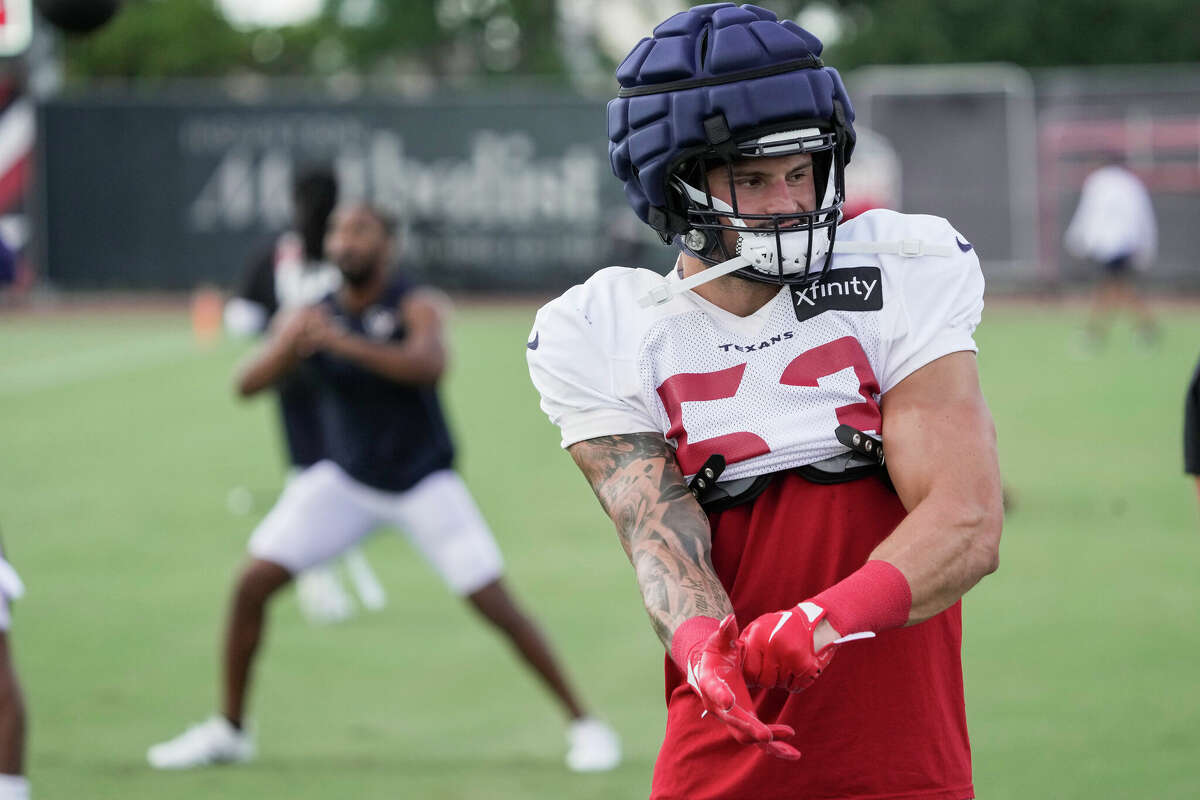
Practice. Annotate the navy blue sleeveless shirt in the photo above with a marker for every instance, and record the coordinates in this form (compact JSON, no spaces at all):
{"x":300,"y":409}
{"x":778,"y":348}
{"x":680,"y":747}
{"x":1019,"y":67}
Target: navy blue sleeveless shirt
{"x":385,"y":434}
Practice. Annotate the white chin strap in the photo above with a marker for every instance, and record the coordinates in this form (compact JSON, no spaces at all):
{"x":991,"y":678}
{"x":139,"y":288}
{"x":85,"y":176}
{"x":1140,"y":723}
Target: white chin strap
{"x":761,"y":250}
{"x":906,"y":248}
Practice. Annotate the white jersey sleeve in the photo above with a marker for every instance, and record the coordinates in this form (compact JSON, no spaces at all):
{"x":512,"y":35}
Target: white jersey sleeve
{"x":11,"y":588}
{"x":935,"y":302}
{"x":588,"y":383}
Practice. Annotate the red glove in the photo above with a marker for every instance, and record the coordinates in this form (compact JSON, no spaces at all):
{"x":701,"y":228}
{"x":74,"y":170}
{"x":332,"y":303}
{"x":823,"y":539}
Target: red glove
{"x":714,"y":670}
{"x":779,"y":649}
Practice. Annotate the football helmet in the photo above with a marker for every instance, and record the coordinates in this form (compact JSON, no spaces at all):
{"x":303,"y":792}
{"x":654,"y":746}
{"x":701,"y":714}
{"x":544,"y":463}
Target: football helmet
{"x":716,"y":84}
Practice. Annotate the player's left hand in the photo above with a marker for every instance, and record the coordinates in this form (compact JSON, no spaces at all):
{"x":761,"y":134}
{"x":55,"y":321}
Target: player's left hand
{"x":780,"y":649}
{"x":714,"y":670}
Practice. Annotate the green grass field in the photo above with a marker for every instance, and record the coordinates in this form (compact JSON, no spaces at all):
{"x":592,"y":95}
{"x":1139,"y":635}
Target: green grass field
{"x":120,"y":442}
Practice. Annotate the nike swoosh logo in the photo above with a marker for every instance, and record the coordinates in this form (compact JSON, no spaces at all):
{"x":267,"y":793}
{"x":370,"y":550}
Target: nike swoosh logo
{"x":782,"y":621}
{"x":964,"y":246}
{"x":533,"y":344}
{"x":811,"y":610}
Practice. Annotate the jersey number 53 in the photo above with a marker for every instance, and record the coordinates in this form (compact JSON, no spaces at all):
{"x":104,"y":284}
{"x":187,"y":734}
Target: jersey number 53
{"x":805,"y":370}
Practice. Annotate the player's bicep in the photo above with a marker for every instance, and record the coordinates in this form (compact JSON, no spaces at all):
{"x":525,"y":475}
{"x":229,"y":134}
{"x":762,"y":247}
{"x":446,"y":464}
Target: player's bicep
{"x":938,"y":433}
{"x":424,"y":313}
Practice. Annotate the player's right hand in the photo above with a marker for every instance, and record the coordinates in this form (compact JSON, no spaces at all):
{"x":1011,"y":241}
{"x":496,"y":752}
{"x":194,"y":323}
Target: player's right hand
{"x":714,"y":670}
{"x":780,"y":652}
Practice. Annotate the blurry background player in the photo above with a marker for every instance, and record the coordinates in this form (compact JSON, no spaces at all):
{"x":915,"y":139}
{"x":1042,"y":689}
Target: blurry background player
{"x":376,"y":347}
{"x":8,"y":267}
{"x":13,"y":784}
{"x":1191,"y":429}
{"x":1114,"y":229}
{"x":292,"y":273}
{"x":77,"y":16}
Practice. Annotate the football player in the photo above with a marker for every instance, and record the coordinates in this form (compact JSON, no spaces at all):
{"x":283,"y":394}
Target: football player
{"x":733,"y":415}
{"x":291,"y":274}
{"x":13,"y":783}
{"x":1191,"y":429}
{"x":1114,"y":229}
{"x":377,"y":348}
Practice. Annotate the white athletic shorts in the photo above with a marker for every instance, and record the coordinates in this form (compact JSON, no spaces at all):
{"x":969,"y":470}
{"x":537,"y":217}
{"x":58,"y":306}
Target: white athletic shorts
{"x":10,"y":589}
{"x":323,"y":512}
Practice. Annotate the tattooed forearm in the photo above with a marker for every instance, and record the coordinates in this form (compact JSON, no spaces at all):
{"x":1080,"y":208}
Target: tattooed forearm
{"x":661,"y":527}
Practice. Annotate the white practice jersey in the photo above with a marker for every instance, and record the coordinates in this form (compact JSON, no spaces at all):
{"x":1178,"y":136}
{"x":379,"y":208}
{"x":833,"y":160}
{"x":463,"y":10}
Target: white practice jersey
{"x":299,"y":282}
{"x":11,"y":588}
{"x":765,"y":391}
{"x":1114,"y":219}
{"x":280,"y":280}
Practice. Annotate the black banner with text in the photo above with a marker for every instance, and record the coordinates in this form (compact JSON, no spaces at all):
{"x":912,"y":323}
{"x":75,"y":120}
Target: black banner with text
{"x":161,"y":194}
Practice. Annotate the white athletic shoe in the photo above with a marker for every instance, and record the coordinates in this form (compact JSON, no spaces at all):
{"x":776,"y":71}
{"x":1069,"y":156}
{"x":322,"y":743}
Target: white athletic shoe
{"x":592,"y":746}
{"x":14,"y":787}
{"x":214,"y":741}
{"x":362,"y":577}
{"x":323,"y":600}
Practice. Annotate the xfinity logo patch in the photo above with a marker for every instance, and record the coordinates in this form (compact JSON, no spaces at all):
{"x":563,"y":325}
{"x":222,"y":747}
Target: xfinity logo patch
{"x":851,"y":289}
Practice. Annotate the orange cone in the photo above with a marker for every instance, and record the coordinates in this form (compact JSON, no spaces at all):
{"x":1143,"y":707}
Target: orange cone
{"x":207,"y":308}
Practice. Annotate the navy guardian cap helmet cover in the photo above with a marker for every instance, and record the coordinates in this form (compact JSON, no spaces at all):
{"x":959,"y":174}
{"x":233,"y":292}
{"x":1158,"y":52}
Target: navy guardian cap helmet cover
{"x":715,"y":84}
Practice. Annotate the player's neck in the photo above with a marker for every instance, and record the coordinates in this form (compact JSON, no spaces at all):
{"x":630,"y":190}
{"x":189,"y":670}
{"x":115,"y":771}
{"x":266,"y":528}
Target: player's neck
{"x":356,"y":298}
{"x":729,"y":292}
